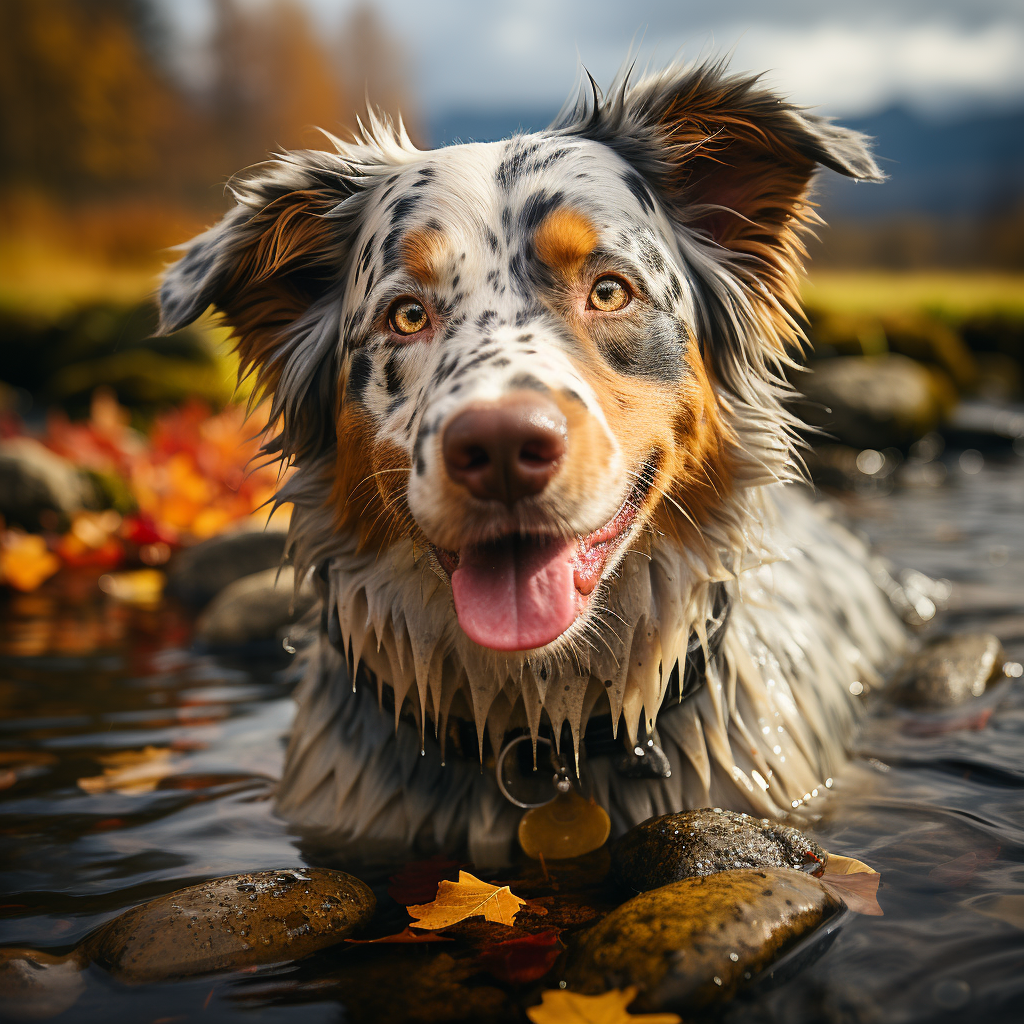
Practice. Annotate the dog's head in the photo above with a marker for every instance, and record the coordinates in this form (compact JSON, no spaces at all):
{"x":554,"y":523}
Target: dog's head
{"x":526,"y":354}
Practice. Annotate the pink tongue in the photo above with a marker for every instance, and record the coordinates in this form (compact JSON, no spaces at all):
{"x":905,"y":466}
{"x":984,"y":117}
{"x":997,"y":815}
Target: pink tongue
{"x":515,"y":595}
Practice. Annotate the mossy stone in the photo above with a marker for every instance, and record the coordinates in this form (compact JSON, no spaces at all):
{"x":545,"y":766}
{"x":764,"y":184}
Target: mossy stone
{"x":234,"y":922}
{"x":696,"y":942}
{"x":704,"y":842}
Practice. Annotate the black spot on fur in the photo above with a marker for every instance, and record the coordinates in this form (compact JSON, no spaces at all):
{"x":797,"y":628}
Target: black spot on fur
{"x":537,"y":207}
{"x":486,"y":317}
{"x":640,"y":191}
{"x":656,"y":355}
{"x":392,"y":378}
{"x":527,"y":382}
{"x":492,"y":239}
{"x":359,"y":373}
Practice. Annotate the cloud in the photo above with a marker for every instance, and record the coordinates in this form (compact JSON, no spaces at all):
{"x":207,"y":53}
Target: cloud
{"x":844,"y":58}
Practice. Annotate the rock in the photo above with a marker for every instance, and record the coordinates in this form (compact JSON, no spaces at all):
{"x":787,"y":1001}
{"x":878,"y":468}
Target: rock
{"x":254,"y":608}
{"x":695,"y":942}
{"x":877,"y":402}
{"x":234,"y":922}
{"x":199,"y":573}
{"x":947,"y":672}
{"x":36,"y":985}
{"x":696,"y":843}
{"x":35,"y":481}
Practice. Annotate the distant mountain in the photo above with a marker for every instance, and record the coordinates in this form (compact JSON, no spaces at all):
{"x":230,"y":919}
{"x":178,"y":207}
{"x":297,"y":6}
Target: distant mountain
{"x":968,"y":167}
{"x":971,"y":166}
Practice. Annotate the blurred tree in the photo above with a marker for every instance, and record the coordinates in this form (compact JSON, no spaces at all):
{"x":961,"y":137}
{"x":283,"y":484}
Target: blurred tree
{"x":374,"y":64}
{"x":83,"y":104}
{"x":273,"y":81}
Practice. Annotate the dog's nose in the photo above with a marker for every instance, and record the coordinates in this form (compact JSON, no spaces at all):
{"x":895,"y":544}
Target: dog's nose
{"x":508,"y":449}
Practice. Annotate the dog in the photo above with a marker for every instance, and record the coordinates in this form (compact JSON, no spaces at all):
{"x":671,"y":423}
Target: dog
{"x":545,"y":479}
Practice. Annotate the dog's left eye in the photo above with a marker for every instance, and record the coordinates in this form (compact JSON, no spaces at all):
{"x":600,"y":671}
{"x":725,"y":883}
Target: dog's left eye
{"x":407,"y":316}
{"x":609,"y":294}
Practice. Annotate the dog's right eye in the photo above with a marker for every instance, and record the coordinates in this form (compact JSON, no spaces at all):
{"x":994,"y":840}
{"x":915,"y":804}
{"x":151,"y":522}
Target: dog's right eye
{"x":407,"y":316}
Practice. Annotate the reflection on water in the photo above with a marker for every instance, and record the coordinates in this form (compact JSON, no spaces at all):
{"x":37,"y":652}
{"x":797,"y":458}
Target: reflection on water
{"x":933,"y":803}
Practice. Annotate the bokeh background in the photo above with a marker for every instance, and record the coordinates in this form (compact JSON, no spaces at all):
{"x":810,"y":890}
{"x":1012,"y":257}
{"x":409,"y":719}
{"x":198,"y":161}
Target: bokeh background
{"x":121,"y":121}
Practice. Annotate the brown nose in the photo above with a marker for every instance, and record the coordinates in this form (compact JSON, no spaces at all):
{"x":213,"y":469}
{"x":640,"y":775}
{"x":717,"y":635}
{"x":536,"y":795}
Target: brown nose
{"x":506,"y":450}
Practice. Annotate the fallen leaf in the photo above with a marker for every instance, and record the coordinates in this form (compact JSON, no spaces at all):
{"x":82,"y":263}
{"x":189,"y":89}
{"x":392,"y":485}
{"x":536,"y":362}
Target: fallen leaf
{"x":847,"y":866}
{"x":130,"y":771}
{"x":520,"y":961}
{"x":406,"y":935}
{"x":974,"y":722}
{"x":417,"y":882}
{"x":562,"y":1007}
{"x":468,"y":897}
{"x":960,"y":870}
{"x":25,"y":561}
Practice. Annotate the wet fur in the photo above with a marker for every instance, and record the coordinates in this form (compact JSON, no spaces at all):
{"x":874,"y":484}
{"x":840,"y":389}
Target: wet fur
{"x":691,"y":184}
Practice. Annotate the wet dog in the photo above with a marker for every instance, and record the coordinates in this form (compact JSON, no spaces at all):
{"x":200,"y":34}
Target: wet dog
{"x":533,"y":394}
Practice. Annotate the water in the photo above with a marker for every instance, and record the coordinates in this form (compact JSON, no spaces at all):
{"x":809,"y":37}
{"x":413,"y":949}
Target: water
{"x":934,"y":804}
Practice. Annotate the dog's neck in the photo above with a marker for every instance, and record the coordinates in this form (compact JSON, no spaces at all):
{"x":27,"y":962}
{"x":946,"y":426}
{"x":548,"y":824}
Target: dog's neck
{"x":391,"y":615}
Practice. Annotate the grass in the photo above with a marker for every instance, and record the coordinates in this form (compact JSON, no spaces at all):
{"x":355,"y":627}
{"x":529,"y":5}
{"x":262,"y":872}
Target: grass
{"x":953,"y":295}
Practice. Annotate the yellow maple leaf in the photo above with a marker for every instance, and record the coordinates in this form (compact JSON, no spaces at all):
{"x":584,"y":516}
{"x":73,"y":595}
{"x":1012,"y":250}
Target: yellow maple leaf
{"x":468,"y":897}
{"x":130,"y":772}
{"x":562,"y":1007}
{"x":847,"y":866}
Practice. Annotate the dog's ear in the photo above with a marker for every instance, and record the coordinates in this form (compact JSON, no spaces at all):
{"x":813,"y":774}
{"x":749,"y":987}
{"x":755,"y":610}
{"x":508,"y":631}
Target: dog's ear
{"x":730,"y":161}
{"x":281,"y":250}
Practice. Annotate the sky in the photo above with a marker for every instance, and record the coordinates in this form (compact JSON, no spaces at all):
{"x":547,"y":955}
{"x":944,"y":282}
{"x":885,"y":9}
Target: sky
{"x":852,"y":58}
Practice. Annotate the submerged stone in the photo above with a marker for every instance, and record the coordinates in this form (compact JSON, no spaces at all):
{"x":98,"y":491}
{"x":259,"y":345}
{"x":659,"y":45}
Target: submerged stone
{"x":254,"y":608}
{"x":37,"y":985}
{"x":234,"y":922}
{"x":696,"y":942}
{"x":947,"y":672}
{"x":704,"y":842}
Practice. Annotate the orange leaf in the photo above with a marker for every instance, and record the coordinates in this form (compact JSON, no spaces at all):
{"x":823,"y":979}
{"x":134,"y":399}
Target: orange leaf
{"x":854,"y":883}
{"x":468,"y":897}
{"x":25,"y":561}
{"x":130,"y":771}
{"x":559,"y":1006}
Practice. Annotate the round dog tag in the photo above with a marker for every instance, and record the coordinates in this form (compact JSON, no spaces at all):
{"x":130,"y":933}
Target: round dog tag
{"x":568,"y":826}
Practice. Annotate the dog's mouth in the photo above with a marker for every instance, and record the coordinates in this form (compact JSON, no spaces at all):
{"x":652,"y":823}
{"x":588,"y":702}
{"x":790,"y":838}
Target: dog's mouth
{"x":523,"y":591}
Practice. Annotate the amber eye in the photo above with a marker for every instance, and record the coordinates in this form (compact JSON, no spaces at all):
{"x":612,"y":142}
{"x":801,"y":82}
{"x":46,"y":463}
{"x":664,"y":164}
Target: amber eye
{"x":609,"y":294}
{"x":407,"y":316}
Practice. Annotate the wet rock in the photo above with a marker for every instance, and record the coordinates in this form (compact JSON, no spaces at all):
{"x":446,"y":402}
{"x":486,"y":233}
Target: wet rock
{"x":234,"y":922}
{"x":36,"y":483}
{"x":873,"y":402}
{"x":947,"y":672}
{"x":696,"y":942}
{"x":198,"y":574}
{"x":37,"y":986}
{"x":254,"y":608}
{"x":704,"y":842}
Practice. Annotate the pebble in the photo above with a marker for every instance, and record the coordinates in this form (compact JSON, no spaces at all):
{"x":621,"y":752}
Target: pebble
{"x":947,"y":672}
{"x":35,"y":482}
{"x":703,"y":842}
{"x":254,"y":608}
{"x":199,"y":573}
{"x":234,"y":922}
{"x":36,"y":985}
{"x":696,"y":942}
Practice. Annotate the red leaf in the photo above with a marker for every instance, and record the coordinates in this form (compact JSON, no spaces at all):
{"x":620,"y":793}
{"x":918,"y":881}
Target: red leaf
{"x":960,"y":870}
{"x":519,"y":961}
{"x":417,"y":882}
{"x":858,"y":891}
{"x":406,"y":935}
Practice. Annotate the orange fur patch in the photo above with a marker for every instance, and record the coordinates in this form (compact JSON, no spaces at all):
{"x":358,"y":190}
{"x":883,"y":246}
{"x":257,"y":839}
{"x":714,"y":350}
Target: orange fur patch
{"x":424,"y":251}
{"x":564,"y":240}
{"x":368,"y":484}
{"x":274,"y":280}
